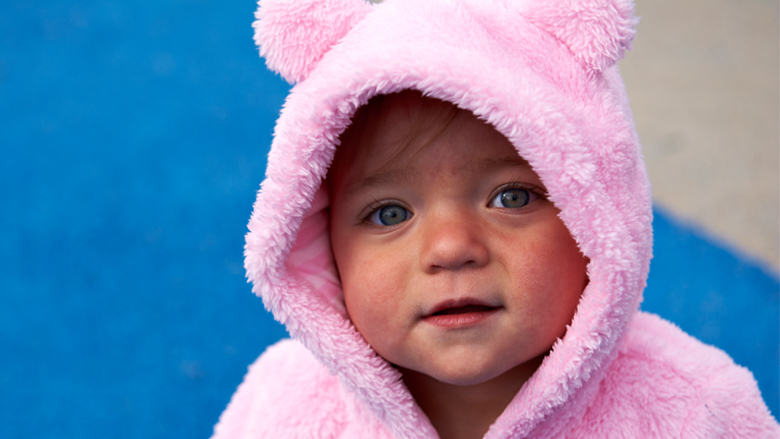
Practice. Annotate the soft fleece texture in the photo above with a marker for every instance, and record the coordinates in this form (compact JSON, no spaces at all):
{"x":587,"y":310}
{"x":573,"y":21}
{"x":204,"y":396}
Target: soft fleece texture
{"x":542,"y":73}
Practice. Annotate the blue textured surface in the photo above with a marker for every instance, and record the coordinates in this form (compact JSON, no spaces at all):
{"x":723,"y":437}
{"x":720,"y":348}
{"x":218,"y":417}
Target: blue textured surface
{"x":133,"y":139}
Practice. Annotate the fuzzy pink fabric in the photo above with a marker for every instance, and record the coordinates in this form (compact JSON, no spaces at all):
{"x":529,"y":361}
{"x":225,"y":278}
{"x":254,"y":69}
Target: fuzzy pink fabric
{"x":663,"y":384}
{"x":542,"y":73}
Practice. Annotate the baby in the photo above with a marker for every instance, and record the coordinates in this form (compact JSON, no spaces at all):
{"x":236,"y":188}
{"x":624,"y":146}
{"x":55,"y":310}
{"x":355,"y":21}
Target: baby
{"x":455,"y":228}
{"x":454,"y":265}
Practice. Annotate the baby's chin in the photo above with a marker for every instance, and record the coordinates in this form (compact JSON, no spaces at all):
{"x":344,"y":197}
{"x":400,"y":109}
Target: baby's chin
{"x":465,"y":375}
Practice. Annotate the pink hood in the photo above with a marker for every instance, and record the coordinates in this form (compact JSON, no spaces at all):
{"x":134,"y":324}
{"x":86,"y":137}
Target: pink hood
{"x":542,"y":73}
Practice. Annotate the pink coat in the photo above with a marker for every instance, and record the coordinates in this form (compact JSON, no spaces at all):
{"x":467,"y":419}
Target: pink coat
{"x":543,"y":74}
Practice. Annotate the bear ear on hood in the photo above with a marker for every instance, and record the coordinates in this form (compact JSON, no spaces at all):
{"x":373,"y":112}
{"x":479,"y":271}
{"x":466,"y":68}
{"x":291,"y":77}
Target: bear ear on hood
{"x":598,"y":32}
{"x":293,"y":35}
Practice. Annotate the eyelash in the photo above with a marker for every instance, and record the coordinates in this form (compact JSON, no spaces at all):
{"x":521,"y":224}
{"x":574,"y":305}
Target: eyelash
{"x":376,"y":205}
{"x":540,"y":193}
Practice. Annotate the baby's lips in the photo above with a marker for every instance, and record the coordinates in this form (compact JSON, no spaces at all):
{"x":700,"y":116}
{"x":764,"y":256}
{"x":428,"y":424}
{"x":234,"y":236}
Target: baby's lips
{"x":467,"y":304}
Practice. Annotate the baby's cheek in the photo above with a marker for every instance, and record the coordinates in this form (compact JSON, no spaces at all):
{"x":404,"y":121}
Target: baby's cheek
{"x":374,"y":293}
{"x":368,"y":297}
{"x":371,"y":319}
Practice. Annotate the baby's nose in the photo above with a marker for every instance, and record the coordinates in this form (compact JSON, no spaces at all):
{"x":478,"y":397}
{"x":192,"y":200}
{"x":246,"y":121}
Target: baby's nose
{"x":453,"y":243}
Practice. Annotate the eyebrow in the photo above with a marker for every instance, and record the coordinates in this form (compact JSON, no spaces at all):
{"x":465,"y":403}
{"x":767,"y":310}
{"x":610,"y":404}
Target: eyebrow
{"x":381,"y":179}
{"x":504,"y":162}
{"x":396,"y":176}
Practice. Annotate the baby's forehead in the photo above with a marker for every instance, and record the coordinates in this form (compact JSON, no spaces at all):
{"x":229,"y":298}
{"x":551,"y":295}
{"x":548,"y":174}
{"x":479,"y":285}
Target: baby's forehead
{"x":399,"y":118}
{"x":404,"y":139}
{"x":400,"y":126}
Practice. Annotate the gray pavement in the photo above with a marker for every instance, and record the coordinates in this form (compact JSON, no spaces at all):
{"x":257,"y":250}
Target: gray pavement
{"x":703,"y":82}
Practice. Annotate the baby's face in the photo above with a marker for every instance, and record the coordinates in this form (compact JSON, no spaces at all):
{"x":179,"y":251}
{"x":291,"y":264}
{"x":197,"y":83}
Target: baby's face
{"x":452,"y":261}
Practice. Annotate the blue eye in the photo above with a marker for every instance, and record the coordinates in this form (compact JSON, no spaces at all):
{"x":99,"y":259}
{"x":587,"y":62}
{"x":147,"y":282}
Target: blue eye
{"x":512,"y":198}
{"x":389,"y":215}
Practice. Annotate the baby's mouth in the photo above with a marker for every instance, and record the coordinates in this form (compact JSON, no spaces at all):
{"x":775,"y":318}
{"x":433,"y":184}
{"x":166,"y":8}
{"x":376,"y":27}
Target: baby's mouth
{"x":465,"y":309}
{"x":460,"y":313}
